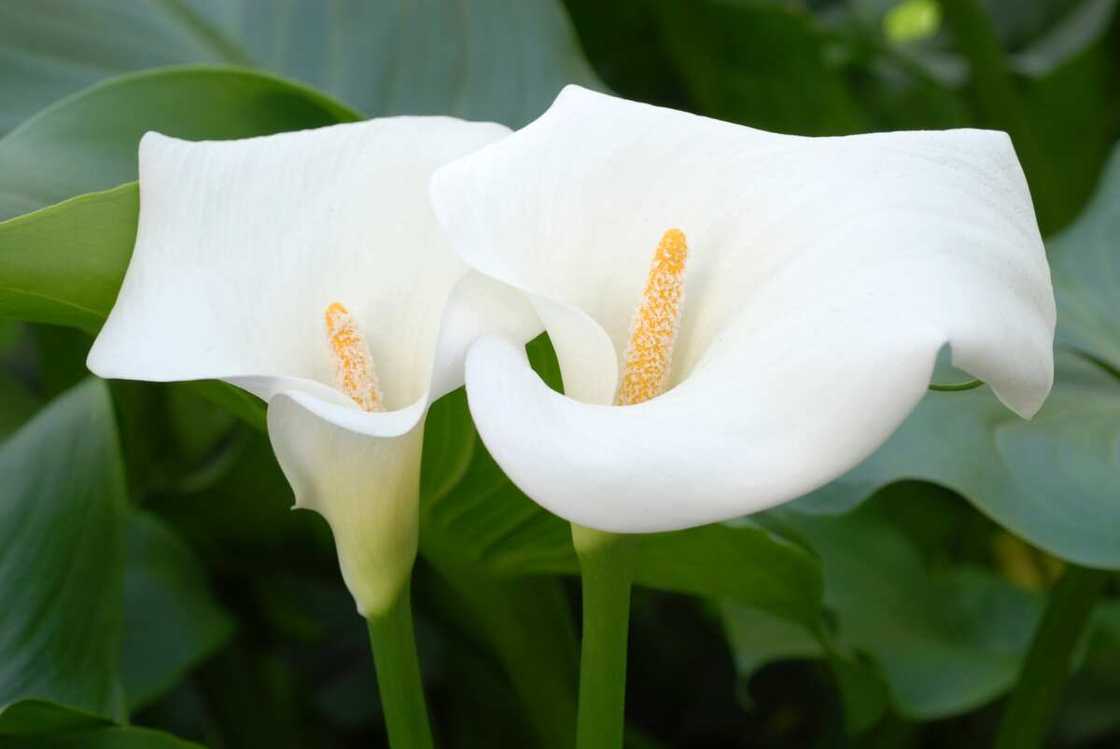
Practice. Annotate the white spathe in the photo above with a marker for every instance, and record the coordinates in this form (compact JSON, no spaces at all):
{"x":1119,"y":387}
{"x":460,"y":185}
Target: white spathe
{"x":240,"y":248}
{"x":824,"y":274}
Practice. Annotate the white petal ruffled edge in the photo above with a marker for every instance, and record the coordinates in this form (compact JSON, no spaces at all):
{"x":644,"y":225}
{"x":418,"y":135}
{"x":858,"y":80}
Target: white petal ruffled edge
{"x":923,"y":240}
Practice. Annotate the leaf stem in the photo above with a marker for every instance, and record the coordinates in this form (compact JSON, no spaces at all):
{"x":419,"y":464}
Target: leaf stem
{"x":956,"y":387}
{"x":1039,"y":690}
{"x":398,"y":675}
{"x":606,"y":566}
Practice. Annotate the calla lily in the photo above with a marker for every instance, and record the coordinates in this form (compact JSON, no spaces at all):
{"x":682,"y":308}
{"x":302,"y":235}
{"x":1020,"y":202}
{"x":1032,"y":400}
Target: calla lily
{"x":308,"y":269}
{"x":800,"y":293}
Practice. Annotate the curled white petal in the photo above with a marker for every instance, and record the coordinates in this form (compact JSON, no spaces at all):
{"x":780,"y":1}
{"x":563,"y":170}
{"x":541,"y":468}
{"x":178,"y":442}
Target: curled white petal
{"x":367,"y":488}
{"x":242,"y":246}
{"x":824,"y":275}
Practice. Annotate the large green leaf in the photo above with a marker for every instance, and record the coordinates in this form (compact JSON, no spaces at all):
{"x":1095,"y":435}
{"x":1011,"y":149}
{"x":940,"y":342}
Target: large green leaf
{"x":1086,"y":271}
{"x":756,"y":567}
{"x":61,"y":531}
{"x":624,"y":44}
{"x":761,"y":64}
{"x":527,"y":623}
{"x":67,"y":653}
{"x":109,"y":737}
{"x":31,"y":717}
{"x":1088,"y":713}
{"x":36,"y":724}
{"x":502,"y":60}
{"x":64,"y":264}
{"x":471,"y":514}
{"x":945,"y":641}
{"x":1051,"y":480}
{"x":19,"y":404}
{"x":481,"y":519}
{"x":243,"y":524}
{"x":1074,"y":112}
{"x":88,"y":142}
{"x":171,"y":622}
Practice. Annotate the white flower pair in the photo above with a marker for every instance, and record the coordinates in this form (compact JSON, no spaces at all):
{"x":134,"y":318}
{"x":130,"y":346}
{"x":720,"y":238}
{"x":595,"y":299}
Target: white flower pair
{"x":351,"y":275}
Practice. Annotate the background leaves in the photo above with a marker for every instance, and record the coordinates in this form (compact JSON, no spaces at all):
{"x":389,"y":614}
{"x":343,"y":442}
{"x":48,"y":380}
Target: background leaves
{"x":88,"y":142}
{"x":846,"y":617}
{"x":1049,"y":480}
{"x":62,"y":633}
{"x":62,"y":626}
{"x":1087,"y":275}
{"x":489,"y":59}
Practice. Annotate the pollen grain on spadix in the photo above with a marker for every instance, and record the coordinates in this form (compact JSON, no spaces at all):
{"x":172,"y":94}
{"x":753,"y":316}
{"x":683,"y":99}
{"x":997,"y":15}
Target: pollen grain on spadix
{"x":354,"y":370}
{"x":649,"y":352}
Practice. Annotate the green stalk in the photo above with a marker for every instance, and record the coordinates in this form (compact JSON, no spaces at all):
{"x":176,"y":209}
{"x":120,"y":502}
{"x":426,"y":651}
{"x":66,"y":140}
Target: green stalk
{"x":398,"y":675}
{"x":605,"y":564}
{"x":1039,"y":690}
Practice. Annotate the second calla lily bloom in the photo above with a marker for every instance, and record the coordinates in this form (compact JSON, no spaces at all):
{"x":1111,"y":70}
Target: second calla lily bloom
{"x":799,"y":293}
{"x":308,"y":269}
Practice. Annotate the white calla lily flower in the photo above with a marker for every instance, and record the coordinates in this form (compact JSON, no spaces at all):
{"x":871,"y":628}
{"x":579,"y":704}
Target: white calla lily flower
{"x":308,"y":268}
{"x":823,"y":277}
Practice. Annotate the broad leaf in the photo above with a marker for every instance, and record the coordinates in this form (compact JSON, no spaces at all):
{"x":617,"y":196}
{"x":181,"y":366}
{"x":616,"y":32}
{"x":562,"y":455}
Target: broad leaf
{"x":88,"y":142}
{"x":65,"y":573}
{"x":945,"y":642}
{"x":486,"y":59}
{"x":39,"y":717}
{"x":1077,"y":95}
{"x":527,"y":623}
{"x":171,"y":622}
{"x":479,"y":518}
{"x":758,"y":638}
{"x":61,"y":525}
{"x":112,"y":737}
{"x":1051,"y":480}
{"x":760,"y":64}
{"x":471,"y":514}
{"x":35,"y":724}
{"x":1086,"y":273}
{"x":753,"y":566}
{"x":19,"y":404}
{"x":243,"y":523}
{"x":64,"y":264}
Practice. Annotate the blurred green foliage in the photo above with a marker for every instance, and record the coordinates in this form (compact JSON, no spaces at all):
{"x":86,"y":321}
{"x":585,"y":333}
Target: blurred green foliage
{"x":154,"y":583}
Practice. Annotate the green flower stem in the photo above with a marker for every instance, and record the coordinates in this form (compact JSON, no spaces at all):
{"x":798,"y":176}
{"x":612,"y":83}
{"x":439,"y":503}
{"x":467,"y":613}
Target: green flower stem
{"x":606,"y":566}
{"x":1039,"y":690}
{"x":398,"y":675}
